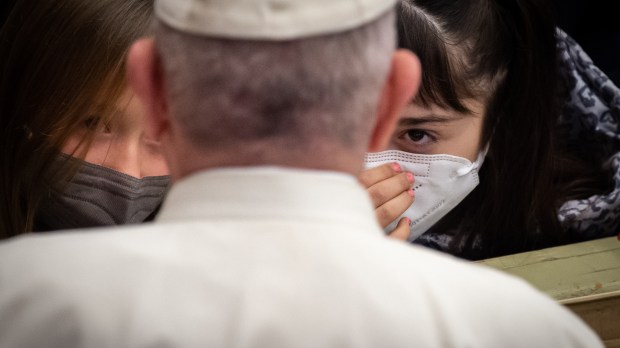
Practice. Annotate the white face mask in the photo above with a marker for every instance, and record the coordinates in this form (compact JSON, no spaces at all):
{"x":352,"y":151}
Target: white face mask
{"x":441,"y":183}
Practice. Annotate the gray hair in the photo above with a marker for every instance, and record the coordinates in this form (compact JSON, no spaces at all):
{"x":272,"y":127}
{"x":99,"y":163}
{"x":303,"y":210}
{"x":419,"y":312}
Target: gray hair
{"x":326,"y":88}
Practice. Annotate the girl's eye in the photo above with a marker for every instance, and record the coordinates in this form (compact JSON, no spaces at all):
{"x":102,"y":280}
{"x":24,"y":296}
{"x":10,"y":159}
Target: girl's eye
{"x":95,"y":124}
{"x":418,"y":136}
{"x":416,"y":140}
{"x":415,"y":135}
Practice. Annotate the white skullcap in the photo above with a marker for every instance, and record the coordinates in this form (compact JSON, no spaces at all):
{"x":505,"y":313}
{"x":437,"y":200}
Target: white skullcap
{"x":268,"y":19}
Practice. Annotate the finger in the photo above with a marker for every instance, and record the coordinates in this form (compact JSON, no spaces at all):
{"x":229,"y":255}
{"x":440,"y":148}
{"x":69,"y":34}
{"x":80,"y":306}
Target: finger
{"x":386,"y":190}
{"x":372,"y":176}
{"x":401,"y":232}
{"x":394,"y":208}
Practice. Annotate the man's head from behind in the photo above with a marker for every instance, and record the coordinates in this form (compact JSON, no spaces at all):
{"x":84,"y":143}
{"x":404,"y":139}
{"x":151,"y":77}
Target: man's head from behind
{"x":311,"y":84}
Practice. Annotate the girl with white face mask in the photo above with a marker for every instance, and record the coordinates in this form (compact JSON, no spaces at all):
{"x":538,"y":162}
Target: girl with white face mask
{"x":439,"y":148}
{"x":493,"y":136}
{"x":72,"y":144}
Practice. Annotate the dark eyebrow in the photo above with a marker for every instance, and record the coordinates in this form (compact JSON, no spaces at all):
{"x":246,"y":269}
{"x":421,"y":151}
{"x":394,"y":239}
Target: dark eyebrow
{"x":432,"y":118}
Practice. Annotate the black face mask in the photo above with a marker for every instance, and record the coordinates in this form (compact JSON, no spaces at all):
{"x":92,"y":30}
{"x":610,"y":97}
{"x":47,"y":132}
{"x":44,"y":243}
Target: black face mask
{"x":99,"y":196}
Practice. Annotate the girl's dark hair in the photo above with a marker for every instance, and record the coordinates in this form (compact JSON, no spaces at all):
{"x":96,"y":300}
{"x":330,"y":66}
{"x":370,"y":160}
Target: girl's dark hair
{"x":60,"y":62}
{"x":505,"y":53}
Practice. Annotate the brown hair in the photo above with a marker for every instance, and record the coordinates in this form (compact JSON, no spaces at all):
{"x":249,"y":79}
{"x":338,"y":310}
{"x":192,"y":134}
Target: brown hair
{"x":58,"y":61}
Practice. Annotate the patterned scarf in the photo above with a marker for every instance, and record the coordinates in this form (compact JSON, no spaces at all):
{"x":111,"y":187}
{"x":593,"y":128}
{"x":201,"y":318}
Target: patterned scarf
{"x":593,"y":109}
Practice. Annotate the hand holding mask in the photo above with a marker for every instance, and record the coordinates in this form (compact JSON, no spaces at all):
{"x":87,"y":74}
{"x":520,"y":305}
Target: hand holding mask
{"x":441,"y":183}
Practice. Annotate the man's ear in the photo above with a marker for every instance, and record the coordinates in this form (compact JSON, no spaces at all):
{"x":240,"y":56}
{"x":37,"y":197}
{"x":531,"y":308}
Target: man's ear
{"x":144,"y":75}
{"x":399,"y":89}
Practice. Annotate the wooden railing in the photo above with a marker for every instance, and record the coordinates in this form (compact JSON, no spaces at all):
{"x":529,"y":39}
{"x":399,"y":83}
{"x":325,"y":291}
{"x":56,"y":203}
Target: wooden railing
{"x":585,"y":277}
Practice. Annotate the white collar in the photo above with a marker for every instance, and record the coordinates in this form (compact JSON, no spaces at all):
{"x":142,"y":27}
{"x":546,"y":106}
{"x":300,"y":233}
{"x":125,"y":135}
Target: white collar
{"x":269,"y":192}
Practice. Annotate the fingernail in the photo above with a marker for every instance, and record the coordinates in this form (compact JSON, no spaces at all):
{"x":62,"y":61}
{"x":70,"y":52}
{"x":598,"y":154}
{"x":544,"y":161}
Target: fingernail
{"x":396,"y":167}
{"x":410,"y":192}
{"x":410,"y":177}
{"x":408,"y":220}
